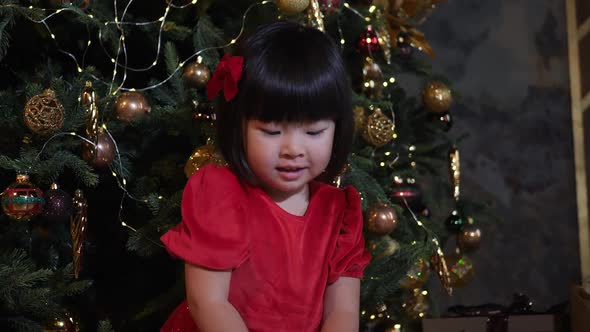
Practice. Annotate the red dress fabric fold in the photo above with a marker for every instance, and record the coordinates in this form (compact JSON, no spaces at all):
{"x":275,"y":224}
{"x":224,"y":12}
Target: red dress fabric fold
{"x":281,"y":263}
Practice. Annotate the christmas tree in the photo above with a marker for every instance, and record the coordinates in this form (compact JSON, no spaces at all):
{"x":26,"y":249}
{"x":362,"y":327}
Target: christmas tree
{"x":104,"y":116}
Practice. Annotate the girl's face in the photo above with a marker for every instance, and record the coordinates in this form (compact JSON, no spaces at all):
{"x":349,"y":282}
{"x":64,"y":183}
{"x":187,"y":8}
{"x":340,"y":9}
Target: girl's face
{"x":285,"y":156}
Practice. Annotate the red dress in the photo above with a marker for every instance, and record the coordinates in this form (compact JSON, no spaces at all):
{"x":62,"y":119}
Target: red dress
{"x":281,"y":263}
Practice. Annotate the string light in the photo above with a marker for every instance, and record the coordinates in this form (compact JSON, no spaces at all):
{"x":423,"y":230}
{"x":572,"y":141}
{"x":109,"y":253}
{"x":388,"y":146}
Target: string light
{"x":122,"y":51}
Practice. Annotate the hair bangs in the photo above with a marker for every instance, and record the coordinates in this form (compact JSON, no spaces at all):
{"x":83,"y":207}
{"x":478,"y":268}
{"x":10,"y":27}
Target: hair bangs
{"x":294,"y":82}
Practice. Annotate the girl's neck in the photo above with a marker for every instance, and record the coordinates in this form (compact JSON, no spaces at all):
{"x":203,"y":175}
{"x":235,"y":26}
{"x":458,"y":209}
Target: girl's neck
{"x":295,"y":203}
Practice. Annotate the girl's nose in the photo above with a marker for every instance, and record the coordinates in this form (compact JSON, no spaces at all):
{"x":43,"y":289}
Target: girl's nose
{"x":292,"y":147}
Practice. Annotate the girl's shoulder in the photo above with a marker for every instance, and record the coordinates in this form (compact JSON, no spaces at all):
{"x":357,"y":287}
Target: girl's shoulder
{"x":215,"y":178}
{"x":346,"y":197}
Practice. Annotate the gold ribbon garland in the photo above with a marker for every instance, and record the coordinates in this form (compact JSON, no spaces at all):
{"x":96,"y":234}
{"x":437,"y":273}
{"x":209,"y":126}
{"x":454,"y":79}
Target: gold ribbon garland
{"x":88,"y":102}
{"x":455,"y":171}
{"x":315,"y":16}
{"x":78,"y":223}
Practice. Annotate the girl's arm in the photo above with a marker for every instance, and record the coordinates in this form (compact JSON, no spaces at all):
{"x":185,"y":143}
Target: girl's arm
{"x":341,"y":306}
{"x":206,"y":294}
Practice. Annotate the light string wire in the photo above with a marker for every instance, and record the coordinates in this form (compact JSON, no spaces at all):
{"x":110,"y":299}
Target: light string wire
{"x":122,"y":182}
{"x":433,"y":239}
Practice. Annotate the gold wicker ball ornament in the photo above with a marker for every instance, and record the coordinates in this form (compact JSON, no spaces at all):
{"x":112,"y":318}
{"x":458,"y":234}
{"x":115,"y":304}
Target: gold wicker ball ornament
{"x":379,"y":129}
{"x":44,"y":113}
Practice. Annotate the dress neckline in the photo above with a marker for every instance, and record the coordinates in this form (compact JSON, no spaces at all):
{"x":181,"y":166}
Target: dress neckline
{"x":313,"y":189}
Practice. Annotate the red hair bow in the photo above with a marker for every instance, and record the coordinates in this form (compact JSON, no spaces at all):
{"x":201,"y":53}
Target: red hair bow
{"x":226,"y":77}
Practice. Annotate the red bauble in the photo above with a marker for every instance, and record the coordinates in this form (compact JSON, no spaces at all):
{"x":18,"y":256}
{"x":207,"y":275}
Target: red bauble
{"x":410,"y":194}
{"x":368,"y":43}
{"x":21,"y":200}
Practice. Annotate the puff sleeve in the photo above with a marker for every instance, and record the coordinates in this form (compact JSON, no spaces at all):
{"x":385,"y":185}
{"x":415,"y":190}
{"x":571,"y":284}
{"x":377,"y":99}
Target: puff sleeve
{"x":350,"y":256}
{"x":212,"y":232}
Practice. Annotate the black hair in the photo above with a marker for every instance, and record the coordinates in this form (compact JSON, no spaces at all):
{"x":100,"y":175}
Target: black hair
{"x":291,"y":73}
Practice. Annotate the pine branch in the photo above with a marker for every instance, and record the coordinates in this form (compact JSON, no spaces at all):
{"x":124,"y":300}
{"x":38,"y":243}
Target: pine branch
{"x":105,"y":326}
{"x":207,"y":35}
{"x":171,"y":58}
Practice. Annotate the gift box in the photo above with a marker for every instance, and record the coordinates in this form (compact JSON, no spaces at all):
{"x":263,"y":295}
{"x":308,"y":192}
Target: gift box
{"x":531,"y":323}
{"x":513,"y":323}
{"x":455,"y":324}
{"x":516,"y":317}
{"x":580,"y":304}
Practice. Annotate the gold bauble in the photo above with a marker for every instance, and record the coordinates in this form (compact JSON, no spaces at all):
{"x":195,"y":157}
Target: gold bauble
{"x":291,"y":7}
{"x":469,"y":238}
{"x":417,"y":275}
{"x":378,"y":129}
{"x":44,"y":113}
{"x":461,"y":269}
{"x":437,"y":97}
{"x":381,"y":219}
{"x":101,"y":155}
{"x":196,"y":75}
{"x":201,"y":156}
{"x":131,"y":105}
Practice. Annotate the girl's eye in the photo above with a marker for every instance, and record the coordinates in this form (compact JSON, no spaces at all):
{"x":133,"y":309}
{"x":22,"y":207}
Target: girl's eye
{"x":315,"y":132}
{"x":270,"y":132}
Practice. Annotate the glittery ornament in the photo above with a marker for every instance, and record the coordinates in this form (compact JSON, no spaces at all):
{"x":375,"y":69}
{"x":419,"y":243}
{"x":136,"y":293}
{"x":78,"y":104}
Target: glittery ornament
{"x":383,"y":36}
{"x":44,"y":113}
{"x":78,"y":226}
{"x":372,"y":79}
{"x":439,"y":263}
{"x":379,"y":129}
{"x":469,"y":238}
{"x":89,"y":104}
{"x":455,"y":171}
{"x":381,"y":219}
{"x":416,"y":306}
{"x":58,"y":204}
{"x":202,"y":156}
{"x":455,"y":221}
{"x":196,"y":75}
{"x":102,"y":153}
{"x":437,"y":97}
{"x":461,"y":269}
{"x":417,"y":275}
{"x":292,"y":7}
{"x":315,"y":17}
{"x":22,"y":200}
{"x":130,"y":106}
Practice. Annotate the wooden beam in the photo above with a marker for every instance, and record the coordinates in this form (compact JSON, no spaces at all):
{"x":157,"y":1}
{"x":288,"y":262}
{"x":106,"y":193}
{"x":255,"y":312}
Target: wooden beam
{"x":584,"y":29}
{"x":578,"y":133}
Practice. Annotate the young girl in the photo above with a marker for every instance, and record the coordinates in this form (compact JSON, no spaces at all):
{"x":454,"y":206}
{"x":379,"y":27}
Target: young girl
{"x":267,"y":247}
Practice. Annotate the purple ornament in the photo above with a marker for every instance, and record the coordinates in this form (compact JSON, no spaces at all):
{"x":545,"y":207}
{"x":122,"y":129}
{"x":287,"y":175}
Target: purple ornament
{"x":58,"y":205}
